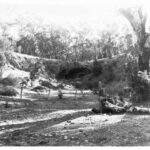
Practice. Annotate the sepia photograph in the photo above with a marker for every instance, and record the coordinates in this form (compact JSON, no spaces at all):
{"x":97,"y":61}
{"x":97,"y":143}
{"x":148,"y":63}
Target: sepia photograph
{"x":74,"y":73}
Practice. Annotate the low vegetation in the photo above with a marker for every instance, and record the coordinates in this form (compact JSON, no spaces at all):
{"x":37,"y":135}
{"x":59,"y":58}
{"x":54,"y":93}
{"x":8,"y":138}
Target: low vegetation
{"x":8,"y":91}
{"x":9,"y":81}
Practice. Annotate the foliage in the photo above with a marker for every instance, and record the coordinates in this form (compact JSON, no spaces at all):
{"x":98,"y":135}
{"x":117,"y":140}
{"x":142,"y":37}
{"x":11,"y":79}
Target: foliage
{"x":38,"y":88}
{"x":108,"y":74}
{"x":2,"y":59}
{"x":115,"y":87}
{"x":60,"y":43}
{"x":27,"y":45}
{"x":51,"y":68}
{"x":2,"y":63}
{"x":35,"y":70}
{"x":137,"y":19}
{"x":9,"y":81}
{"x":90,"y":82}
{"x":141,"y":89}
{"x":139,"y":86}
{"x":8,"y":91}
{"x":7,"y":42}
{"x":97,"y":68}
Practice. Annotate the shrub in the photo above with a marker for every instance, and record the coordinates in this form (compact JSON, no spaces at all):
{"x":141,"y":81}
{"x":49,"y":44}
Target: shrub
{"x":2,"y":59}
{"x":141,"y":89}
{"x":61,"y":74}
{"x":73,"y":73}
{"x":8,"y":91}
{"x":34,"y":71}
{"x":97,"y":68}
{"x":38,"y":88}
{"x":115,"y":87}
{"x":90,"y":82}
{"x":8,"y":81}
{"x":51,"y":68}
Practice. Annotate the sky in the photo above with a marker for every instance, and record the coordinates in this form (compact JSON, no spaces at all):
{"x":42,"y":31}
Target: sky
{"x":96,"y":14}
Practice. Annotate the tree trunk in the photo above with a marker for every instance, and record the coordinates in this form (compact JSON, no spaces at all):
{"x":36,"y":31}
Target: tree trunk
{"x":76,"y":94}
{"x":82,"y":93}
{"x":49,"y":92}
{"x":21,"y":92}
{"x":31,"y":83}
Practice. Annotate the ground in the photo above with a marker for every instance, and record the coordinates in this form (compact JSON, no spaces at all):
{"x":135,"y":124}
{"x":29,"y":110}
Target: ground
{"x":39,"y":120}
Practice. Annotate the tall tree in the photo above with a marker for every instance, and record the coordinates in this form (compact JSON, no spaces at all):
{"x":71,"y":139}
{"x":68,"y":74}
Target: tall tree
{"x":137,"y":20}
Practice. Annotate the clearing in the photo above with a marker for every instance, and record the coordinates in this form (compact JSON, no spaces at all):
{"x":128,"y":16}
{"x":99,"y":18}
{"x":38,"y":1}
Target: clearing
{"x":38,"y":120}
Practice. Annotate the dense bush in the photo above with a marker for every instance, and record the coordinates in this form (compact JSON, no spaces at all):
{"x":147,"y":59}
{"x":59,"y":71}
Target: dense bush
{"x":8,"y":91}
{"x":115,"y":87}
{"x":97,"y":68}
{"x":34,"y":70}
{"x":90,"y":82}
{"x":108,"y":74}
{"x":9,"y":81}
{"x":51,"y":68}
{"x":73,"y":73}
{"x":61,"y":74}
{"x":38,"y":88}
{"x":141,"y":89}
{"x":139,"y":85}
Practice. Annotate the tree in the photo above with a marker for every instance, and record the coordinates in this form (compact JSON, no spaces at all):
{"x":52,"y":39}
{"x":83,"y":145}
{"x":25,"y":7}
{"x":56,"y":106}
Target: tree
{"x":27,"y":45}
{"x":7,"y":42}
{"x":35,"y":70}
{"x":2,"y":63}
{"x":137,"y":20}
{"x":23,"y":84}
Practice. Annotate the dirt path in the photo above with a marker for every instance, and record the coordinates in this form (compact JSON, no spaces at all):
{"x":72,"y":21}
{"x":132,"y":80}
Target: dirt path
{"x":50,"y":121}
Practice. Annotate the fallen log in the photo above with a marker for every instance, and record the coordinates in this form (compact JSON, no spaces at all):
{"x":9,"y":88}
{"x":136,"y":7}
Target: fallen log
{"x":138,"y":110}
{"x":111,"y":108}
{"x":108,"y":107}
{"x":114,"y":109}
{"x":115,"y":105}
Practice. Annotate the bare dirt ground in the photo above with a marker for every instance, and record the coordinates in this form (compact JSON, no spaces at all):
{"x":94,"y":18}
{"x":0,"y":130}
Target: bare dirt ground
{"x":37,"y":120}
